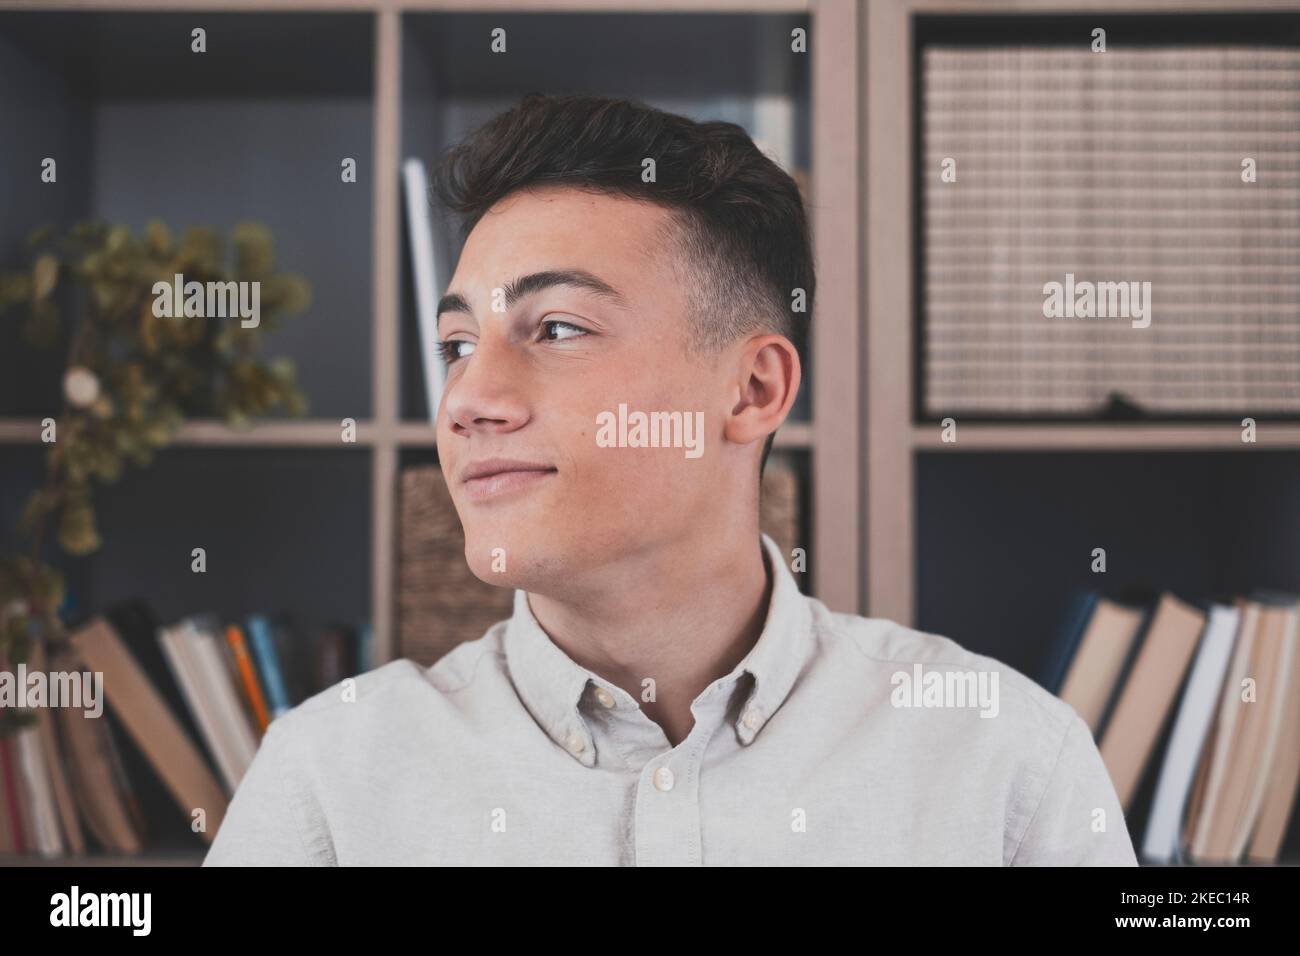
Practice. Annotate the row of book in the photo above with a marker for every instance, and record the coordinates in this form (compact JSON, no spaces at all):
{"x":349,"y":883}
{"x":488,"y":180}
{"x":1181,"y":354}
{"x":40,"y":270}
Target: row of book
{"x":182,"y":712}
{"x":1196,"y":711}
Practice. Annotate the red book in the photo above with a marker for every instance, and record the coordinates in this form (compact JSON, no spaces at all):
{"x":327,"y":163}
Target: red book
{"x":9,"y":780}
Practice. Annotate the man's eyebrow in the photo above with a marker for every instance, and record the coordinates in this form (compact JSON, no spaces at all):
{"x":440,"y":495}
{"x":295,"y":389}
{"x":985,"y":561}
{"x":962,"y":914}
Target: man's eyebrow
{"x":536,"y":282}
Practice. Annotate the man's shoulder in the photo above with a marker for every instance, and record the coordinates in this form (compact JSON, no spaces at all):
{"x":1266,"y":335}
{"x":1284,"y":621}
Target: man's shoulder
{"x":391,"y":695}
{"x":904,"y":654}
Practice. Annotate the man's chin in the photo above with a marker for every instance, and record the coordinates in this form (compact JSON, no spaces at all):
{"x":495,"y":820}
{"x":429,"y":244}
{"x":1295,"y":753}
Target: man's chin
{"x":501,"y":560}
{"x":538,"y":562}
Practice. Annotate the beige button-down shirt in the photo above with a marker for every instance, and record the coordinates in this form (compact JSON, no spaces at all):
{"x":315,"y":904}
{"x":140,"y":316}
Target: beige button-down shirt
{"x":837,"y":740}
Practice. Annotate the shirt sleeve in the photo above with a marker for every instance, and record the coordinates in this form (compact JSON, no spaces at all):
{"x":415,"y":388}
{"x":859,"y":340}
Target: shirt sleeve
{"x":268,"y":822}
{"x":1079,"y":820}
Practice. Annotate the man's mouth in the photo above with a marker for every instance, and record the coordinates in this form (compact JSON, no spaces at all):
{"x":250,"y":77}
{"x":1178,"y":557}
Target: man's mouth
{"x":494,"y":477}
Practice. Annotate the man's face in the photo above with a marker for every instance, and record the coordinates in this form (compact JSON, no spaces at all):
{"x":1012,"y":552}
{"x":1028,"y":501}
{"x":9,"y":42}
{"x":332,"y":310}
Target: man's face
{"x":532,"y":373}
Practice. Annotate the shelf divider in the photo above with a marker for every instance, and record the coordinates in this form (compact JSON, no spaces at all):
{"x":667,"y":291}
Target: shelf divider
{"x":387,"y":275}
{"x":1106,"y":436}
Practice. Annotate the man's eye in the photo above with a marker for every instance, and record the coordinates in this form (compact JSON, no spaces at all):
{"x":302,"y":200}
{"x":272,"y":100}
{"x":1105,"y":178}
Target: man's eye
{"x":556,"y":323}
{"x":450,"y":350}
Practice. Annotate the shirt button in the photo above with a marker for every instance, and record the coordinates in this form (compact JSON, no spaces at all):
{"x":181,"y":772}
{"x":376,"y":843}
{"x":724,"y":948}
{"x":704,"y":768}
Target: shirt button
{"x":605,"y":697}
{"x":575,"y":743}
{"x":664,"y":778}
{"x":752,"y":718}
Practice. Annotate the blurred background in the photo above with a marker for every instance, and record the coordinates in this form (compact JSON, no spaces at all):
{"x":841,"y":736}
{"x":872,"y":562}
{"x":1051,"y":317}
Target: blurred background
{"x":244,"y":517}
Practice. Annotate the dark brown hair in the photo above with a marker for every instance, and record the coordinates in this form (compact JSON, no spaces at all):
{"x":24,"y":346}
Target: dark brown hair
{"x":740,"y":229}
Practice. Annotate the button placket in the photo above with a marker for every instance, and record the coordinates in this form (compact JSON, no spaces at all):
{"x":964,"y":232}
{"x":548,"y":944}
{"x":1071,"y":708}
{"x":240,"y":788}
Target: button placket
{"x":667,"y":811}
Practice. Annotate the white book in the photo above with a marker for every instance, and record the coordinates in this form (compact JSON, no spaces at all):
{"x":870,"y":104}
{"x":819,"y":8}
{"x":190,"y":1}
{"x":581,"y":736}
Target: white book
{"x":232,"y":721}
{"x":773,"y":131}
{"x":185,"y":669}
{"x":1229,"y":709}
{"x":424,"y":269}
{"x":1187,"y":740}
{"x":40,"y":794}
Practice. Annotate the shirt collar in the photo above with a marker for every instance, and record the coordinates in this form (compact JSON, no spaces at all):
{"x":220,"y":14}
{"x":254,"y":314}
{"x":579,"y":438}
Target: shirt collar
{"x":553,"y":686}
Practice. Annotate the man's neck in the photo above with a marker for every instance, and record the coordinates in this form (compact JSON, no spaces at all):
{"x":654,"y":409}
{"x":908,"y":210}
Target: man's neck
{"x":682,"y":620}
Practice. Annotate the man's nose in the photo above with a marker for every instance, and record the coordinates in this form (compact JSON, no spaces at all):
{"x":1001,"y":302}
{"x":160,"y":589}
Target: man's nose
{"x":490,"y":391}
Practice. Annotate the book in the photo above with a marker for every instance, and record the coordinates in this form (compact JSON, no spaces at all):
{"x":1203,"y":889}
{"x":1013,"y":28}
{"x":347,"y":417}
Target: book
{"x":13,"y":824}
{"x":248,"y":682}
{"x":33,"y":777}
{"x":7,"y":842}
{"x":296,"y":664}
{"x":1149,"y":692}
{"x":95,"y":771}
{"x":151,"y":723}
{"x":425,"y":267}
{"x":1094,"y":673}
{"x":70,"y":823}
{"x":1189,"y":735}
{"x":1249,"y":730}
{"x":1063,"y":647}
{"x":192,"y":666}
{"x":165,"y":825}
{"x":267,"y":658}
{"x":1283,"y":780}
{"x":1275,"y":672}
{"x":1215,"y":757}
{"x":335,"y":656}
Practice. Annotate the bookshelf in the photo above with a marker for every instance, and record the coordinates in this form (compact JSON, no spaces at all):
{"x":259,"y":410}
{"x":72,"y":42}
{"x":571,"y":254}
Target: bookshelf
{"x":981,"y":539}
{"x":256,"y":128}
{"x":900,"y":446}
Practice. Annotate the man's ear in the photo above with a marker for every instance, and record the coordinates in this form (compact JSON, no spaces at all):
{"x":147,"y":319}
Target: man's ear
{"x":768,"y":376}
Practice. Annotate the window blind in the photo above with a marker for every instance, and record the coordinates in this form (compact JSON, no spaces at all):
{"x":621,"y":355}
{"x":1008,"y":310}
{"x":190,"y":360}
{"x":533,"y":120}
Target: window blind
{"x":1127,"y":166}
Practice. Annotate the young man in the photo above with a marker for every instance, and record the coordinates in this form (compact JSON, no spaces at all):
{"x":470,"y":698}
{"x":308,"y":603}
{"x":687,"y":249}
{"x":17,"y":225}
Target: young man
{"x":663,"y":693}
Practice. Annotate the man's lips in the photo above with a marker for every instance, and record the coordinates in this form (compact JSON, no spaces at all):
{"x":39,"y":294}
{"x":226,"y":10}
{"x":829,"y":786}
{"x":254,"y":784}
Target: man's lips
{"x":494,"y":477}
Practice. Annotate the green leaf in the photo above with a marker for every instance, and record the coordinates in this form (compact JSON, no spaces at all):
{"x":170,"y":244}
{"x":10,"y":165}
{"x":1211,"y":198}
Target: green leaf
{"x":254,"y":250}
{"x":119,"y":237}
{"x":39,"y":235}
{"x":287,"y":292}
{"x":200,"y":251}
{"x":77,"y":532}
{"x":158,"y":238}
{"x":109,"y":467}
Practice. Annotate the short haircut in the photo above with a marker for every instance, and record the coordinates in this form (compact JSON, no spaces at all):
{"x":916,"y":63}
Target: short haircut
{"x":741,"y":232}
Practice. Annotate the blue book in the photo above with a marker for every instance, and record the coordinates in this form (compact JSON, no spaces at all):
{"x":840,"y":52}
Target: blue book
{"x":1060,"y":653}
{"x":268,"y":664}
